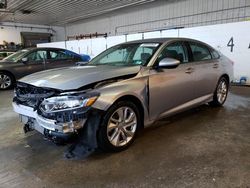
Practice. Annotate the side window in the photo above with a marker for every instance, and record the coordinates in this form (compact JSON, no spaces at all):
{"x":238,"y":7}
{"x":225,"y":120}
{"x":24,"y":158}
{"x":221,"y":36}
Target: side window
{"x":215,"y":54}
{"x":59,"y":55}
{"x":142,"y":55}
{"x":38,"y":55}
{"x":200,"y":52}
{"x":176,"y":51}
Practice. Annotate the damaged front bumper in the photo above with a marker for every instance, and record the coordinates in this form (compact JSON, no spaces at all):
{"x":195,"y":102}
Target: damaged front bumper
{"x":52,"y":112}
{"x":48,"y":127}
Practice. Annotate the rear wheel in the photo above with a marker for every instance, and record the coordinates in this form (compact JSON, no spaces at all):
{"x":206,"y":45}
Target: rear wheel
{"x":119,"y":127}
{"x":220,"y":94}
{"x":6,"y":81}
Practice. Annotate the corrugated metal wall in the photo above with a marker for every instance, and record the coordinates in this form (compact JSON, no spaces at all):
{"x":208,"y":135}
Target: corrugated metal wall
{"x":164,"y":14}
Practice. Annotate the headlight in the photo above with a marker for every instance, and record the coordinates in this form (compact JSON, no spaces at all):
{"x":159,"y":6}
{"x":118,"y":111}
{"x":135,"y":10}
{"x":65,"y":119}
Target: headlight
{"x":61,"y":103}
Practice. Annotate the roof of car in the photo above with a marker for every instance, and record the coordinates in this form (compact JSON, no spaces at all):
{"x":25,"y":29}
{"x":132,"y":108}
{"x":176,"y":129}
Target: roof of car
{"x":33,"y":48}
{"x":162,"y":40}
{"x":48,"y":48}
{"x":157,"y":40}
{"x":7,"y":50}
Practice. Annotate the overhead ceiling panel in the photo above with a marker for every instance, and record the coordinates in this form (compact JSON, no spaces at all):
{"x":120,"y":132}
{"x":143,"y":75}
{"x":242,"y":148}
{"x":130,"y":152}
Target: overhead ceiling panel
{"x":60,"y":12}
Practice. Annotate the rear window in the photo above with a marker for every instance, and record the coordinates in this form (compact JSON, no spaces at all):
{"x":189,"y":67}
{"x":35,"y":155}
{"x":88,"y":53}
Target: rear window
{"x":60,"y":55}
{"x":215,"y":54}
{"x":200,"y":52}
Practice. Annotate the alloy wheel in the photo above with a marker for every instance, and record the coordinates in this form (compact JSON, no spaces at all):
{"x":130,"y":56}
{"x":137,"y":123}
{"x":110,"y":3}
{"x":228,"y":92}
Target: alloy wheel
{"x":5,"y":81}
{"x":222,"y":91}
{"x":122,"y":126}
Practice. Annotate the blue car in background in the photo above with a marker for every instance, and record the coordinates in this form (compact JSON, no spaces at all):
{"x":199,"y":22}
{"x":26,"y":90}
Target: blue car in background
{"x":85,"y":57}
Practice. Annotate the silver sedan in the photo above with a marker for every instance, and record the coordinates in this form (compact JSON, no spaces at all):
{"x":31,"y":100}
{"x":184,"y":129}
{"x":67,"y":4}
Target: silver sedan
{"x":123,"y":90}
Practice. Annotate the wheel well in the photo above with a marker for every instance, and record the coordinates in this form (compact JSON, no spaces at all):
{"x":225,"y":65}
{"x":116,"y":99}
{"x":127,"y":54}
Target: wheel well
{"x":227,"y":77}
{"x":4,"y":71}
{"x":137,"y":102}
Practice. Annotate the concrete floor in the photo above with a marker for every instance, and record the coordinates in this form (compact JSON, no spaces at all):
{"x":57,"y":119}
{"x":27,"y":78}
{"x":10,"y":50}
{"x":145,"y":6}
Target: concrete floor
{"x":204,"y":147}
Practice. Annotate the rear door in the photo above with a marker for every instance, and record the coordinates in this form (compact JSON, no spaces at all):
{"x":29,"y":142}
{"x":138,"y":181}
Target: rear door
{"x":206,"y":69}
{"x":60,"y":58}
{"x":171,"y":88}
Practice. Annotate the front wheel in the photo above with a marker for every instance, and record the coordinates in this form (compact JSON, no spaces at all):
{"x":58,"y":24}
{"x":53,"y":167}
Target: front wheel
{"x":6,"y":81}
{"x":220,"y":94}
{"x":119,"y":126}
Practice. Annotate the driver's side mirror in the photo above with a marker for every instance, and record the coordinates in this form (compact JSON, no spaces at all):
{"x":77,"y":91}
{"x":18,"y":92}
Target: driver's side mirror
{"x":169,"y":63}
{"x":24,"y":60}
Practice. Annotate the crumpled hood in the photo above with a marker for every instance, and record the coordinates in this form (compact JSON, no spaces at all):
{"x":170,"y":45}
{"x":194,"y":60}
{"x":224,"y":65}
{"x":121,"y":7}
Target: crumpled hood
{"x":71,"y":78}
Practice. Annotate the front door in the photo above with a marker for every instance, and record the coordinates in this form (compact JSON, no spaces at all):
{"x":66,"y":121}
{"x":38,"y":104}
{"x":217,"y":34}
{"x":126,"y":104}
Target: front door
{"x":171,"y":88}
{"x":36,"y":61}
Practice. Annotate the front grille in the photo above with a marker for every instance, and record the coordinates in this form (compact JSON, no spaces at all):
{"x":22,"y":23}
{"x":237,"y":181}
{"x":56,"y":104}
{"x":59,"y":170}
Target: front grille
{"x":30,"y":95}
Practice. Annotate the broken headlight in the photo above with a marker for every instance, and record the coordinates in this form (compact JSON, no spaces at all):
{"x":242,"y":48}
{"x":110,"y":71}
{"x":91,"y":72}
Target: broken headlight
{"x":62,"y":103}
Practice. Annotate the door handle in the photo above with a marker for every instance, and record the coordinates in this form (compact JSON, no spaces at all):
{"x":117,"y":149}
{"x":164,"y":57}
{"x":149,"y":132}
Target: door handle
{"x":189,"y":70}
{"x":216,"y":65}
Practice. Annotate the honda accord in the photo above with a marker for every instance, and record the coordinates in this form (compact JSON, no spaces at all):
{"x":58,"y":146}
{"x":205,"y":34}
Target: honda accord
{"x":126,"y":88}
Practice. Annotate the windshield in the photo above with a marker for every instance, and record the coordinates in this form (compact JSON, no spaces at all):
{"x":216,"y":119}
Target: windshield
{"x":127,"y":54}
{"x":16,"y":56}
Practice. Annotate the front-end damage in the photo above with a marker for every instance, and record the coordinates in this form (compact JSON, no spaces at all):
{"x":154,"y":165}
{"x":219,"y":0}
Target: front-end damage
{"x":55,"y":114}
{"x":45,"y":110}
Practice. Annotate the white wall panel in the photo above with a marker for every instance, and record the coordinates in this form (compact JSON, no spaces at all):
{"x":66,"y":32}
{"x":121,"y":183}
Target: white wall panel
{"x":155,"y":34}
{"x":170,"y":33}
{"x":114,"y":40}
{"x":73,"y":46}
{"x":53,"y":45}
{"x":132,"y":37}
{"x":85,"y":46}
{"x":97,"y":46}
{"x":91,"y":47}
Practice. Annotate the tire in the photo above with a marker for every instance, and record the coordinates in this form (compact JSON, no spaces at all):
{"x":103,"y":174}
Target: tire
{"x":221,"y":92}
{"x":6,"y":81}
{"x":116,"y":132}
